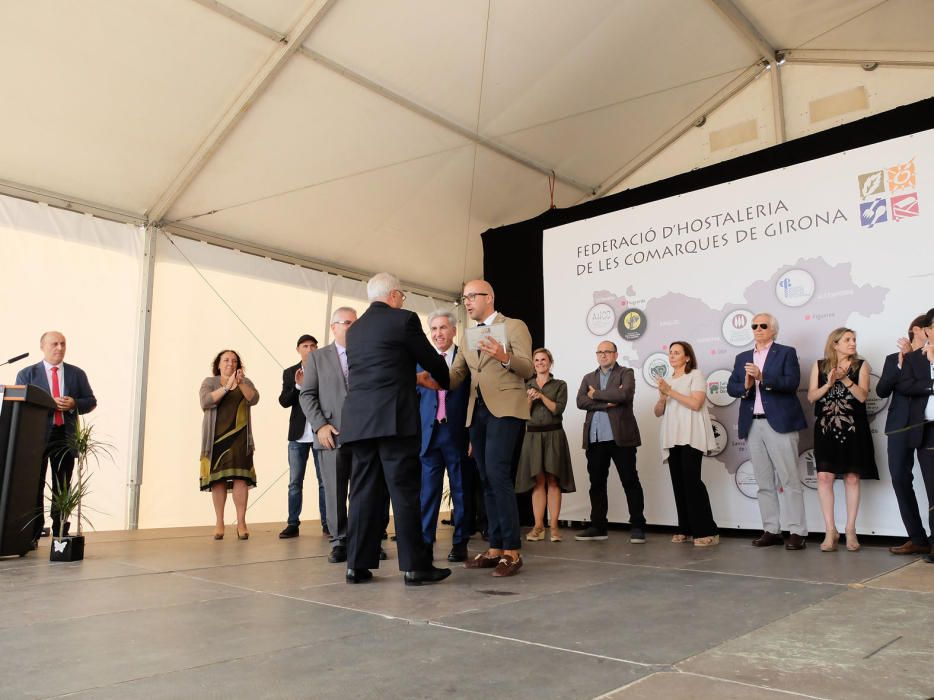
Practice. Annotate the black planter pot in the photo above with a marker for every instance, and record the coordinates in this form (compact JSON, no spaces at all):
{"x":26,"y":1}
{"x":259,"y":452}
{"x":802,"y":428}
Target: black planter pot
{"x":67,"y":548}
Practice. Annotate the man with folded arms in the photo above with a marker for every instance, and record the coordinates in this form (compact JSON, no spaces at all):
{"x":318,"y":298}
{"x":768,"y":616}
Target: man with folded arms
{"x":766,"y":380}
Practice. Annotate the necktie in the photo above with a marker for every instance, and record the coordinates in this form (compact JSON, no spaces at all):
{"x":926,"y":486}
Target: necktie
{"x":479,"y":355}
{"x":442,"y":414}
{"x":343,"y":358}
{"x":57,"y":393}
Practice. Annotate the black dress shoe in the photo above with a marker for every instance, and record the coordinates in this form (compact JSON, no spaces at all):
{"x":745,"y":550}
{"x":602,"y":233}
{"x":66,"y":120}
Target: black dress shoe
{"x":420,"y":578}
{"x":290,"y":531}
{"x":45,"y":532}
{"x":768,"y":539}
{"x":382,"y":554}
{"x":795,"y":542}
{"x":338,"y":554}
{"x":458,"y":553}
{"x":359,"y":575}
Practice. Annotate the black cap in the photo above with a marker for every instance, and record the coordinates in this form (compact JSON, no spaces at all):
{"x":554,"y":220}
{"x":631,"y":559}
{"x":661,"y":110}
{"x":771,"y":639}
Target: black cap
{"x":305,"y":338}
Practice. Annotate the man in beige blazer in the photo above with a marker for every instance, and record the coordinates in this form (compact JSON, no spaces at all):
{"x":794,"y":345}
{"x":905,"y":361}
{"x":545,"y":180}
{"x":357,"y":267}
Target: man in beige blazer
{"x":496,"y":413}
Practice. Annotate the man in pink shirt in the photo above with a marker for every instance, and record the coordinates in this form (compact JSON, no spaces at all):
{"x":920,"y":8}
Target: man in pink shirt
{"x":766,"y":380}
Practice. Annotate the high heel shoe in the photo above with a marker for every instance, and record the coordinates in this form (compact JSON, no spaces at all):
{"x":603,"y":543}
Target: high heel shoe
{"x":218,"y":534}
{"x":852,"y":544}
{"x":555,"y":534}
{"x":831,"y":538}
{"x":243,"y":535}
{"x":536,"y":534}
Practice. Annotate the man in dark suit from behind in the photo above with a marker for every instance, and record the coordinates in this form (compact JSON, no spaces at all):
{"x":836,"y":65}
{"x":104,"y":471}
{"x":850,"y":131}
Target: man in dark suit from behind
{"x":380,"y":423}
{"x":766,"y":379}
{"x":68,"y":385}
{"x":301,"y":440}
{"x":917,"y":382}
{"x":444,"y":443}
{"x":902,"y":457}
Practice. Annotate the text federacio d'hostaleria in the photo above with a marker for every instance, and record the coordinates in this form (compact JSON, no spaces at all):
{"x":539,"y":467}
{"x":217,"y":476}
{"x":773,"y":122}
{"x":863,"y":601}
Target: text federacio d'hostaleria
{"x":699,"y":235}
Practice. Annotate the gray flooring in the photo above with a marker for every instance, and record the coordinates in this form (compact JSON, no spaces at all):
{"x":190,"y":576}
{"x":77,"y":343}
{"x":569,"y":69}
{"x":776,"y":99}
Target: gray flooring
{"x":174,"y":614}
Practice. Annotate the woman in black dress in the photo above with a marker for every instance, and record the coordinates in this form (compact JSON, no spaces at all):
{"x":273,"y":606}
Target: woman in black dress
{"x":227,"y":438}
{"x":843,"y":446}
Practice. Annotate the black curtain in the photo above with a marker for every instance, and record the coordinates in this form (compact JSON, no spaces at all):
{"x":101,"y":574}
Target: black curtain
{"x":512,"y":255}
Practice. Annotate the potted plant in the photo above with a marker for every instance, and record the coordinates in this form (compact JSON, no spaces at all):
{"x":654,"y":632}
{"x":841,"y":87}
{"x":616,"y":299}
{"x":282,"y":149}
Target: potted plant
{"x":67,"y":500}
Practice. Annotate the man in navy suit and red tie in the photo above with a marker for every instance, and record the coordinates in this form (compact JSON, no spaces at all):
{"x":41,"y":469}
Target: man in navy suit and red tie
{"x":68,"y":385}
{"x":444,"y":442}
{"x":766,"y":380}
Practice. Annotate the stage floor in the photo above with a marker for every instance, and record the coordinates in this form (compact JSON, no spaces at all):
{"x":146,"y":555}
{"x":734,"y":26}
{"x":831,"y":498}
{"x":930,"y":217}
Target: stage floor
{"x":175,"y":614}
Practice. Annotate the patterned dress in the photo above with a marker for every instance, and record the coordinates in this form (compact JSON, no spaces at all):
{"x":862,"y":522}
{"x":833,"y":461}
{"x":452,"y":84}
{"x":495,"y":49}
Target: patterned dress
{"x":842,"y":438}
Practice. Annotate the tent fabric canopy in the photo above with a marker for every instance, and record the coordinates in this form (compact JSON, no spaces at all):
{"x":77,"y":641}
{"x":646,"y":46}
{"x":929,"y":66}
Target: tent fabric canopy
{"x":389,"y":135}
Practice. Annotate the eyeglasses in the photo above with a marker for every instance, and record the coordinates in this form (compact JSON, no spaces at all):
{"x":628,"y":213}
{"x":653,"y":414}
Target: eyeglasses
{"x":473,"y":295}
{"x":401,"y":293}
{"x":341,"y":323}
{"x":606,"y":352}
{"x":757,"y":326}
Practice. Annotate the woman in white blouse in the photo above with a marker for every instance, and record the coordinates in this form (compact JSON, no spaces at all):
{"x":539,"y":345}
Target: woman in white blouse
{"x":686,"y":436}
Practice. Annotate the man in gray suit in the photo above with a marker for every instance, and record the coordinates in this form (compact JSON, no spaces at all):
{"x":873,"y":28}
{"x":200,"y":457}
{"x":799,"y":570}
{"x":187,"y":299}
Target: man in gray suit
{"x":322,"y":399}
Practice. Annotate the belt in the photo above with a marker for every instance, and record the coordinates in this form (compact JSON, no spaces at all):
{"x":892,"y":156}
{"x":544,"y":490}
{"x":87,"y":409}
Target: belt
{"x":758,"y":416}
{"x":542,"y":428}
{"x":443,"y":421}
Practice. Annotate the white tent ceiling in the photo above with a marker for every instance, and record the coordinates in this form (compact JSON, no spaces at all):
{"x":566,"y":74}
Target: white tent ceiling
{"x":388,"y":134}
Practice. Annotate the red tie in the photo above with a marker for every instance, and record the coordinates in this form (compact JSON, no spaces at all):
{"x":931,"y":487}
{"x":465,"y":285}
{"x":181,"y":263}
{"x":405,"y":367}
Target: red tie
{"x":442,"y":413}
{"x":57,"y":393}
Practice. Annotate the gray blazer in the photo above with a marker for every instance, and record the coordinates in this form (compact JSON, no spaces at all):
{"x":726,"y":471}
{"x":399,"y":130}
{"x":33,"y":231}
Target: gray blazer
{"x":324,"y":389}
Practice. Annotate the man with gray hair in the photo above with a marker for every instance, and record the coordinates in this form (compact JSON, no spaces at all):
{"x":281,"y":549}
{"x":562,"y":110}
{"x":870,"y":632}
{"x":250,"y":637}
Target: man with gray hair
{"x":324,"y":390}
{"x":444,"y":442}
{"x":766,"y":380}
{"x":380,"y":424}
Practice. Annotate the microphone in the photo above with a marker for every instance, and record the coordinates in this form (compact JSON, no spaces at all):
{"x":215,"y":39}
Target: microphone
{"x":14,"y":359}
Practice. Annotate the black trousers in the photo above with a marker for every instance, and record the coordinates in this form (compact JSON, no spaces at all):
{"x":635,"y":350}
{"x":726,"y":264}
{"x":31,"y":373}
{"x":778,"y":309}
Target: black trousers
{"x":691,"y":500}
{"x":901,"y":467}
{"x":380,"y":465}
{"x":62,"y":464}
{"x":494,"y":443}
{"x":599,"y":455}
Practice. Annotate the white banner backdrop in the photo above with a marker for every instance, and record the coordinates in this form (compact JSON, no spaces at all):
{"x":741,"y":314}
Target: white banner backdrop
{"x":838,"y":241}
{"x":79,"y":275}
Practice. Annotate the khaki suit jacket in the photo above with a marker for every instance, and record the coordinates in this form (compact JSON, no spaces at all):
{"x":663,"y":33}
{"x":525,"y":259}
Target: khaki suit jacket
{"x":503,"y":389}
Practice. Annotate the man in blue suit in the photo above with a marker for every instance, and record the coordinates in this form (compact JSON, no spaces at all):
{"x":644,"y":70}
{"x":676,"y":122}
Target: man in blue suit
{"x":917,"y":382}
{"x":68,"y":385}
{"x":444,"y":441}
{"x":766,"y":379}
{"x":901,"y":455}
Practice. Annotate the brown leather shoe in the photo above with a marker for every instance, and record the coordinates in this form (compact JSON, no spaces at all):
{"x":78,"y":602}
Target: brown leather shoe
{"x":508,"y":566}
{"x":481,"y":561}
{"x":910,"y":548}
{"x":795,"y":542}
{"x":768,"y":539}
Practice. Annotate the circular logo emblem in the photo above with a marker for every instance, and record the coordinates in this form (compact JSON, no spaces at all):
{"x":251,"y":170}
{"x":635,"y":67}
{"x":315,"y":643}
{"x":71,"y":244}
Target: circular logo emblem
{"x":745,"y":480}
{"x":600,"y":319}
{"x":720,"y":437}
{"x":807,"y":469}
{"x":656,"y":367}
{"x":795,"y":287}
{"x":632,"y":324}
{"x":874,"y":403}
{"x":736,"y":328}
{"x":716,"y":388}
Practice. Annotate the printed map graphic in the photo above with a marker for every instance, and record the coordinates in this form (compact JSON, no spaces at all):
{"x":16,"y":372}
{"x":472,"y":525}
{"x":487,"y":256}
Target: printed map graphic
{"x":809,"y":298}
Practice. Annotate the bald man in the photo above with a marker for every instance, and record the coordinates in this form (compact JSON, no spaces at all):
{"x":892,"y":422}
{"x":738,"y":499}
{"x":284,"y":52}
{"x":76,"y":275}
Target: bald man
{"x":68,"y":385}
{"x":496,"y":412}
